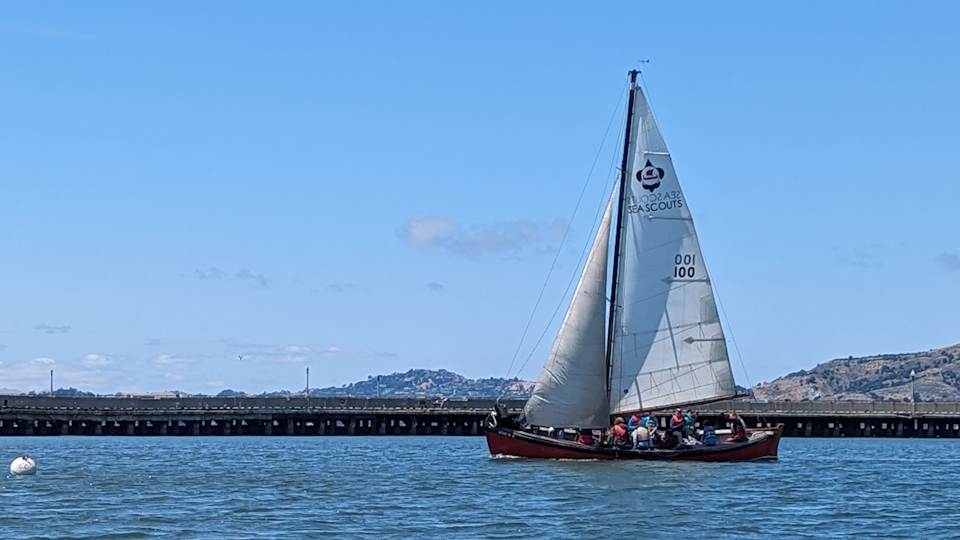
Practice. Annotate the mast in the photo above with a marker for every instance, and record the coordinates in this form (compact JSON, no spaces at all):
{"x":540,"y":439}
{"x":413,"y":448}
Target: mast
{"x":616,"y":244}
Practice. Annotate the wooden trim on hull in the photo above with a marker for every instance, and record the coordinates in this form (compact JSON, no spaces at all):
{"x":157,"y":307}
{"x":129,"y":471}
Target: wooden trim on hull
{"x":762,"y":446}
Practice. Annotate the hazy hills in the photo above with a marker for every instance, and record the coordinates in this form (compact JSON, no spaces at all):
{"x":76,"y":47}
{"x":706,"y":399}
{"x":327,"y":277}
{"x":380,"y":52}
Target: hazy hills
{"x":882,"y":377}
{"x":420,"y":383}
{"x":430,"y":383}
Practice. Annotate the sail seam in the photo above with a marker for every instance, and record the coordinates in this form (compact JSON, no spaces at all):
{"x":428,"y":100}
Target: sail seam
{"x":692,"y":367}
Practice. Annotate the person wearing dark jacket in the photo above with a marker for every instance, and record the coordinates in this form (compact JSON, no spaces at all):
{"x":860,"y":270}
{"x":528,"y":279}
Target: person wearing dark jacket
{"x":738,"y":428}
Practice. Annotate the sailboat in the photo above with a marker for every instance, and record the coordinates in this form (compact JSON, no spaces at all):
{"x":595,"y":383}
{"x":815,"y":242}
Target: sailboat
{"x":658,"y":346}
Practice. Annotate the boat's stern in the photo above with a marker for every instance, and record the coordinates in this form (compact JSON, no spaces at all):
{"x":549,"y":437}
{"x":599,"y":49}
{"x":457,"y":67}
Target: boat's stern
{"x":770,"y":445}
{"x":775,"y":444}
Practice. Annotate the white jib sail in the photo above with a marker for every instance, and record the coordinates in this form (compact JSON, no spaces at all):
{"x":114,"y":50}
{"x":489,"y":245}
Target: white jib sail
{"x":571,"y":390}
{"x":669,"y":348}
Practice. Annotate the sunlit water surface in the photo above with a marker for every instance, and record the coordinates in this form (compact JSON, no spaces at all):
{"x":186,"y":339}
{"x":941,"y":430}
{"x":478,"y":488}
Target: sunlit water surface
{"x":450,"y":487}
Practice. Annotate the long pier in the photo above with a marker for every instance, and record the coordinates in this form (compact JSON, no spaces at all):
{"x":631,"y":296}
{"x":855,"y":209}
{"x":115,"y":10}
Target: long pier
{"x":30,"y":415}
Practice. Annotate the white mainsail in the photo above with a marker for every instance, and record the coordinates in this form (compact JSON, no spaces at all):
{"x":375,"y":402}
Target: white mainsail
{"x":572,"y":388}
{"x":668,"y":348}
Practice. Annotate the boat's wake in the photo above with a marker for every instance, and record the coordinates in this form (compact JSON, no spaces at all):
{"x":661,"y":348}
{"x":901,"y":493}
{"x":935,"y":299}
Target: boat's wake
{"x":508,"y":457}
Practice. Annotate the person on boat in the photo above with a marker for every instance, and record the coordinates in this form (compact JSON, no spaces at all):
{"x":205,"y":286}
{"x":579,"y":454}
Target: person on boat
{"x":677,"y":423}
{"x":709,"y":437}
{"x":504,"y":416}
{"x":640,"y":436}
{"x":689,"y":424}
{"x":667,"y":441}
{"x":585,"y":436}
{"x":649,"y":420}
{"x":738,"y":428}
{"x":634,"y":427}
{"x":646,"y":431}
{"x":619,"y":432}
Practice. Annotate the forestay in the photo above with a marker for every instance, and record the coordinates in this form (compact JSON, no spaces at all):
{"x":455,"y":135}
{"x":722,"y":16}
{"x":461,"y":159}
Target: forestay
{"x":669,"y":348}
{"x":571,"y":390}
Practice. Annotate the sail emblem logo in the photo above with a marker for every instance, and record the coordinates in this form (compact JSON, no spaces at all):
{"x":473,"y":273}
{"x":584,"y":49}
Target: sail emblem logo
{"x":650,"y":176}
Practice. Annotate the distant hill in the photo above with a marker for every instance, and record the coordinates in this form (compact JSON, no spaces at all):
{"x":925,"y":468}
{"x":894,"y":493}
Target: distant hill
{"x":878,"y":378}
{"x":881,"y":378}
{"x":430,"y":383}
{"x":414,"y":383}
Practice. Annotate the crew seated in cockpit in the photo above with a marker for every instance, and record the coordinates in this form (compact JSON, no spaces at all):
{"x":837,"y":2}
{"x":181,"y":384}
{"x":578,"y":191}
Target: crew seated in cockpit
{"x":585,"y":436}
{"x":617,"y":435}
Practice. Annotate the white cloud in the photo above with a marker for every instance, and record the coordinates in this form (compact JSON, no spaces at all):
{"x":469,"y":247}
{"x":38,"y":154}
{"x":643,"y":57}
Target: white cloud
{"x":35,"y":375}
{"x":337,"y":351}
{"x":230,"y":342}
{"x":429,"y":232}
{"x":438,"y":233}
{"x":171,"y":359}
{"x":273,"y":353}
{"x":174,"y":376}
{"x":291,"y":353}
{"x":215,"y":384}
{"x":96,"y":360}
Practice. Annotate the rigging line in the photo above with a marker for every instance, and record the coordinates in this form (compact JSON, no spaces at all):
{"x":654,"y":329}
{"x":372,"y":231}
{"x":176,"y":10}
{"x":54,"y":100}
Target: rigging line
{"x":614,"y":178}
{"x":573,"y":279}
{"x":564,"y":238}
{"x":597,"y":217}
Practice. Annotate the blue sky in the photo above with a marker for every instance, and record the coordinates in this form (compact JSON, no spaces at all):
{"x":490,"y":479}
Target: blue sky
{"x":363,"y":188}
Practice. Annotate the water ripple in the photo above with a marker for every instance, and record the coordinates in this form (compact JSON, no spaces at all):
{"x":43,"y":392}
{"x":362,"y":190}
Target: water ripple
{"x":438,"y":487}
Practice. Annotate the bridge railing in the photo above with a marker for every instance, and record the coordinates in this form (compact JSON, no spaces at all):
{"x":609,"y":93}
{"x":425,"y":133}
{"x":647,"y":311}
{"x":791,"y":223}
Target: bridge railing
{"x":825,"y":407}
{"x":127,"y":403}
{"x":473,"y":404}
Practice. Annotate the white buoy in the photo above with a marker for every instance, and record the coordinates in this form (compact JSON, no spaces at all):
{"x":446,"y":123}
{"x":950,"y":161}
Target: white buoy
{"x":23,"y":466}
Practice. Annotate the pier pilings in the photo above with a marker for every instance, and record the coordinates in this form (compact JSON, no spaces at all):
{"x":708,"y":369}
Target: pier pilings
{"x":228,"y":417}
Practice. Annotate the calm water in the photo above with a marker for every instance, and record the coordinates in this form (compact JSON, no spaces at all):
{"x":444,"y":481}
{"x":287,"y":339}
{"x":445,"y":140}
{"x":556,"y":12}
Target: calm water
{"x":438,"y":487}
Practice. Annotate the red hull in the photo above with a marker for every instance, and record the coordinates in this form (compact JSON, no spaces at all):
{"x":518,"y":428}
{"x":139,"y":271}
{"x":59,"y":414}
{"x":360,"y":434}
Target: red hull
{"x":762,"y":446}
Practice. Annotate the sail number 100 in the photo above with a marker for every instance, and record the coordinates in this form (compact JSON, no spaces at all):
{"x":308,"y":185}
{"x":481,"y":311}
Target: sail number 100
{"x":684,"y":266}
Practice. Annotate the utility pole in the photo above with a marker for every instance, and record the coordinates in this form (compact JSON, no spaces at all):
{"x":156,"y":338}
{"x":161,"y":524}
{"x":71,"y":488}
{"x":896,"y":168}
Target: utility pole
{"x":51,"y":383}
{"x":306,"y":393}
{"x":378,"y":387}
{"x":913,"y":393}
